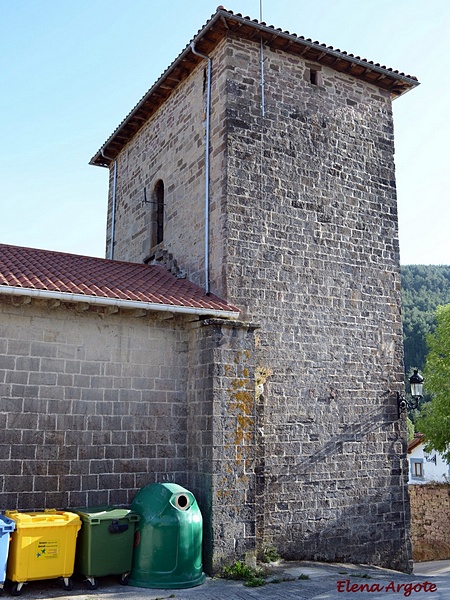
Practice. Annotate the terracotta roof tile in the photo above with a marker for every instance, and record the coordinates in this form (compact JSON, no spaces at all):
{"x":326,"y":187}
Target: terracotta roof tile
{"x":418,"y":439}
{"x":59,"y":272}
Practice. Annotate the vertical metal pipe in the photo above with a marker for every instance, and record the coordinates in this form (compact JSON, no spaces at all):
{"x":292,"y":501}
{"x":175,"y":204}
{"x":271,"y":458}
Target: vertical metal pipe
{"x":113,"y":208}
{"x":261,"y":52}
{"x":113,"y":213}
{"x":207,"y":166}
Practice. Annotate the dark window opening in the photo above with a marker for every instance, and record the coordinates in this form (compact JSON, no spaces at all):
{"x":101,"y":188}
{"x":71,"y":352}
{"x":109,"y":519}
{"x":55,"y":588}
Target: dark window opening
{"x":313,"y":77}
{"x":159,"y":212}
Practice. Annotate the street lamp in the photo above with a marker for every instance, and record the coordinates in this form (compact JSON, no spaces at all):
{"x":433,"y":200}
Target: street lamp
{"x":416,"y":386}
{"x":416,"y":383}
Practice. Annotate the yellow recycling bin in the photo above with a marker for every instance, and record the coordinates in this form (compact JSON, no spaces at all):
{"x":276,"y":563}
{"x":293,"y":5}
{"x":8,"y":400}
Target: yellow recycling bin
{"x":42,"y":547}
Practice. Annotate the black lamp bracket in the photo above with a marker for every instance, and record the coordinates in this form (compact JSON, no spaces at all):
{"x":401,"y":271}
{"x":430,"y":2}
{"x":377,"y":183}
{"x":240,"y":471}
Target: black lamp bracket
{"x":405,"y":404}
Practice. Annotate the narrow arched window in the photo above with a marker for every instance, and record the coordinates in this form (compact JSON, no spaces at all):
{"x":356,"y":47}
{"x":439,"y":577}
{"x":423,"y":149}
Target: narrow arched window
{"x":159,"y":212}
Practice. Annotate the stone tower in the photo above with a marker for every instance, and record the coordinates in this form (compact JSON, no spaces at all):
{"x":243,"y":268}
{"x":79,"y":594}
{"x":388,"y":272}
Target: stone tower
{"x":261,"y":166}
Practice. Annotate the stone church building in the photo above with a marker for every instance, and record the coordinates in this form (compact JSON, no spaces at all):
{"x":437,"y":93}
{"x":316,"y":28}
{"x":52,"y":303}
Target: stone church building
{"x":243,"y":336}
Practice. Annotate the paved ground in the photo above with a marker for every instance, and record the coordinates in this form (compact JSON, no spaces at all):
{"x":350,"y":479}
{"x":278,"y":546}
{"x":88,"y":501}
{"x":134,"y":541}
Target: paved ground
{"x":291,"y":581}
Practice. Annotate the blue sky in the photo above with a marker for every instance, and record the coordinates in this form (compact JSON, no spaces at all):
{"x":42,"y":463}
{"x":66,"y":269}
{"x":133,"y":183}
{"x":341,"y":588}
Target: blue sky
{"x":70,"y":71}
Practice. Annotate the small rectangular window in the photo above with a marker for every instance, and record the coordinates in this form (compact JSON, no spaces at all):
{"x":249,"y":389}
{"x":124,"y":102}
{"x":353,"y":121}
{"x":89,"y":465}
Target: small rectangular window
{"x":416,"y":468}
{"x":313,"y":74}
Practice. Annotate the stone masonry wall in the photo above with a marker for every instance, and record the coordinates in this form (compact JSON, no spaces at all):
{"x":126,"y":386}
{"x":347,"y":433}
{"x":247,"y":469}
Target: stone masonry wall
{"x":223,"y":437}
{"x":95,"y":405}
{"x":171,"y":147}
{"x":304,"y":240}
{"x":430,"y":521}
{"x":158,"y":152}
{"x":312,"y":255}
{"x":92,"y":405}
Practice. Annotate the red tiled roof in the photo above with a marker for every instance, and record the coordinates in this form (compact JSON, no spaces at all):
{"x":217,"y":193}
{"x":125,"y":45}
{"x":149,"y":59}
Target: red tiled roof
{"x":86,"y":276}
{"x":418,"y":439}
{"x":219,"y":25}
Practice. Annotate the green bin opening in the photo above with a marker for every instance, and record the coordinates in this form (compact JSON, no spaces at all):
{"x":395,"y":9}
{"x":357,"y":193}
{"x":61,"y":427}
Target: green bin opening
{"x":168,"y":544}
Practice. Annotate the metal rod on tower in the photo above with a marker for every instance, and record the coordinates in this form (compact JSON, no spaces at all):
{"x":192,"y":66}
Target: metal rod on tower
{"x":262,"y":61}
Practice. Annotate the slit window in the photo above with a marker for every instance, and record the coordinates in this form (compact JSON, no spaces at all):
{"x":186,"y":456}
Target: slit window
{"x":159,"y":212}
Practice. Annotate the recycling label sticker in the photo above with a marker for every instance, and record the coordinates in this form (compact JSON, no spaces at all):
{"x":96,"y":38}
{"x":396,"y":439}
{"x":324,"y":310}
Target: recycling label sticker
{"x":47,"y":549}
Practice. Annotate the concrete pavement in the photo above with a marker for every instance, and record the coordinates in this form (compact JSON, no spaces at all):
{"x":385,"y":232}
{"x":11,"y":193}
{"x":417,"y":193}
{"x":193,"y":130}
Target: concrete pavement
{"x":288,"y":581}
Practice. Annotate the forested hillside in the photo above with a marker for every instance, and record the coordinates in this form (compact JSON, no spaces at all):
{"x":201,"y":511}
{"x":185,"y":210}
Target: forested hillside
{"x":424,"y":288}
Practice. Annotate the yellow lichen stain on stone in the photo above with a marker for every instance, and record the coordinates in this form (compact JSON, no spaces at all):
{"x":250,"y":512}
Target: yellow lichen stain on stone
{"x":262,"y":374}
{"x":242,"y":404}
{"x":223,"y":490}
{"x":248,"y":465}
{"x":222,"y":494}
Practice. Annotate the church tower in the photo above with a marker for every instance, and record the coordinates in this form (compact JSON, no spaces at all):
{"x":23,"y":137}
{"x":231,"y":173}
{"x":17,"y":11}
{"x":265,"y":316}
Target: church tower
{"x":261,"y":166}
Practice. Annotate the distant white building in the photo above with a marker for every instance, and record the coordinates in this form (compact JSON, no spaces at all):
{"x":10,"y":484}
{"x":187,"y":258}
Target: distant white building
{"x":425,"y":467}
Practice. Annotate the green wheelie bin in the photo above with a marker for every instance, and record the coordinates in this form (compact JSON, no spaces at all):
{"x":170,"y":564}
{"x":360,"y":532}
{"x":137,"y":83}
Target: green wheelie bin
{"x":105,"y":542}
{"x":168,"y":544}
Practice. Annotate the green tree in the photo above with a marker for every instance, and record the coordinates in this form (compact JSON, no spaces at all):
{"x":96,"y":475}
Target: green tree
{"x":410,"y":429}
{"x":424,"y":288}
{"x":435,"y":420}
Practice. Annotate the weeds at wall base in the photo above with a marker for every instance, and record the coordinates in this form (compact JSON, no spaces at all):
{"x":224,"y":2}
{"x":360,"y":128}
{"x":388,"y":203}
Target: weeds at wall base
{"x":254,"y":577}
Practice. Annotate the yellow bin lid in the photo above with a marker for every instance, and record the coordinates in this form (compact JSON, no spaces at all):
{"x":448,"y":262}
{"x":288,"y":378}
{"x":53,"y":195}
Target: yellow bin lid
{"x":47,"y":518}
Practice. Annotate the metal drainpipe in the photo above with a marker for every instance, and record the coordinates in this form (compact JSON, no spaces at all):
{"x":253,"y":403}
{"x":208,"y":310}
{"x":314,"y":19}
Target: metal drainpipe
{"x":113,"y":210}
{"x":207,"y":168}
{"x":261,"y":53}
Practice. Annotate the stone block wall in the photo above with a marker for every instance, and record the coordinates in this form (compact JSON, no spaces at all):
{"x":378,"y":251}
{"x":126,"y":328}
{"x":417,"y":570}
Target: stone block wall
{"x":312,"y":255}
{"x":92,"y":405}
{"x":223,"y":437}
{"x":430,"y":521}
{"x":304,"y":241}
{"x":171,"y":147}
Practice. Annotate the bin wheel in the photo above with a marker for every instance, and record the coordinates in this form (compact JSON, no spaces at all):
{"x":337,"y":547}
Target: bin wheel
{"x":68,"y":584}
{"x":16,"y":589}
{"x":90,"y":582}
{"x":125,"y":578}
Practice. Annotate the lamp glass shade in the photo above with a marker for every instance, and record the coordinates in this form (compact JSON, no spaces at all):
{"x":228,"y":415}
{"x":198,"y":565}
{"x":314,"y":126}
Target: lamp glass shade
{"x":416,"y":383}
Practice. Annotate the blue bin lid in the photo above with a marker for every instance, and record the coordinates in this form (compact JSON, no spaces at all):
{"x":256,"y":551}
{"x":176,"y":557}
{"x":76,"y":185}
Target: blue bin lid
{"x":7,"y":525}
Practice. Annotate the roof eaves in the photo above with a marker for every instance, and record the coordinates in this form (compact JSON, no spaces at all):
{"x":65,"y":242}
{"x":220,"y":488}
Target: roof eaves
{"x":96,"y":160}
{"x":416,"y":441}
{"x":117,"y":302}
{"x":399,"y":84}
{"x":321,"y":48}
